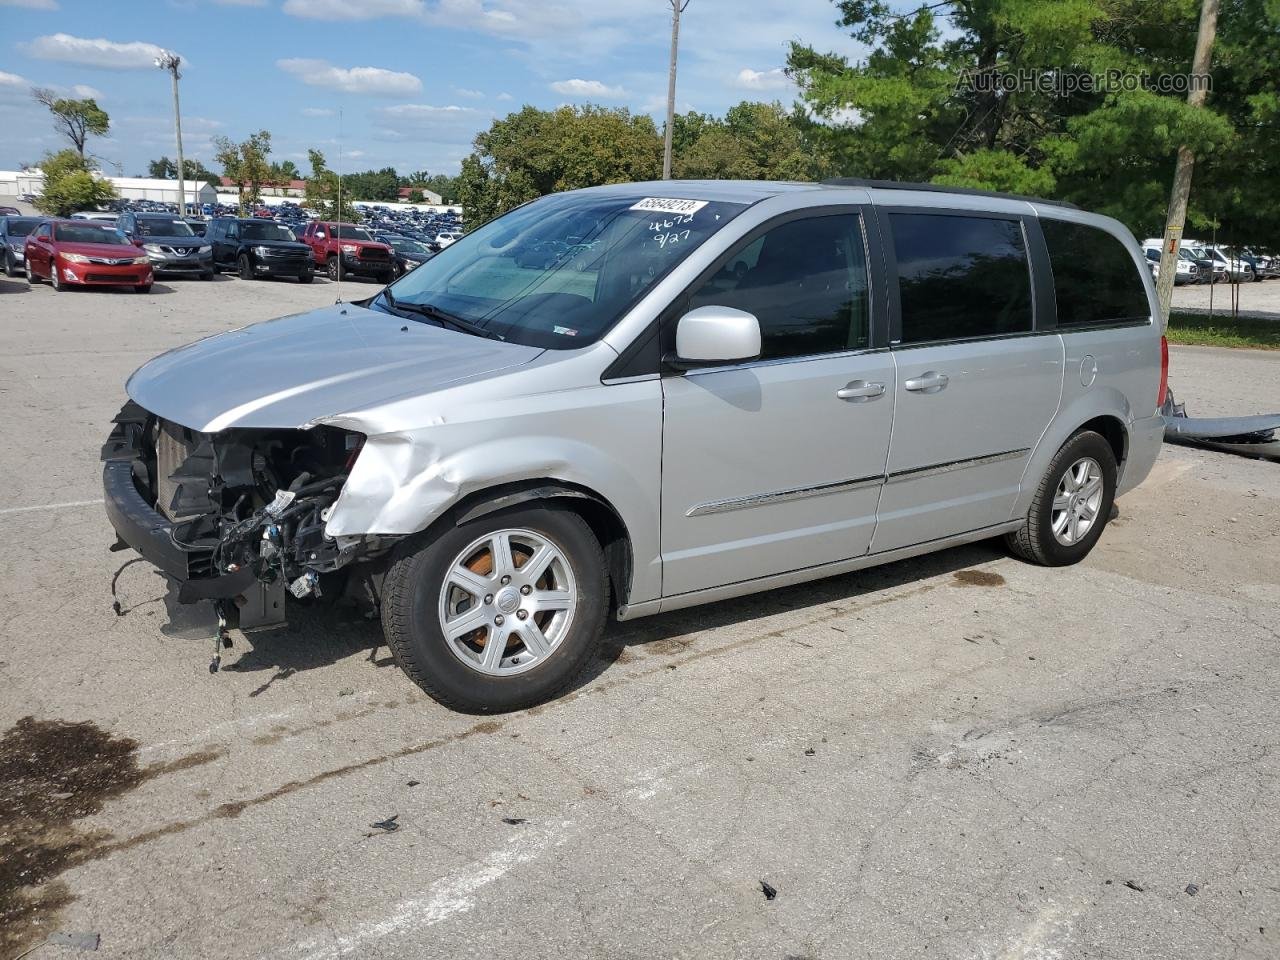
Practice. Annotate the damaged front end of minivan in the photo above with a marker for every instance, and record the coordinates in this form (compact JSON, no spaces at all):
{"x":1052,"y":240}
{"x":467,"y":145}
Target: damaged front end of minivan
{"x":235,"y":517}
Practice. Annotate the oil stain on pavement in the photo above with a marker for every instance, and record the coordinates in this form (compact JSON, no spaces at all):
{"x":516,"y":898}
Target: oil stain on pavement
{"x":53,"y":773}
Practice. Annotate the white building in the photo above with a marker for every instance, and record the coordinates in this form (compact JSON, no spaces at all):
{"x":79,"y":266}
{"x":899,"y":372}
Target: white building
{"x":18,"y":182}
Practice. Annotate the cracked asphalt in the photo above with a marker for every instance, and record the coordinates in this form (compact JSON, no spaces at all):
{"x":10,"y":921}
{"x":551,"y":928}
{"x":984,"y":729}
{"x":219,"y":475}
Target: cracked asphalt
{"x":957,"y":756}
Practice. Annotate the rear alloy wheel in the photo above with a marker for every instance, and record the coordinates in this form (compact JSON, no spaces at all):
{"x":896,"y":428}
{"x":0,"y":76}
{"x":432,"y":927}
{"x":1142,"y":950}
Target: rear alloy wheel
{"x":500,"y":613}
{"x":244,"y":267}
{"x":1072,"y":504}
{"x":333,"y":267}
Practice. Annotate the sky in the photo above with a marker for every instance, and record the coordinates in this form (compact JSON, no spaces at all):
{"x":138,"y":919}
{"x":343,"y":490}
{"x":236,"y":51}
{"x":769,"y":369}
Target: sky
{"x":403,"y":83}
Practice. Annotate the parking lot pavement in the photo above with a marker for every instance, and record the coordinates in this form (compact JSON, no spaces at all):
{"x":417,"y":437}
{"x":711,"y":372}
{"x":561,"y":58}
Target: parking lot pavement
{"x":957,"y":756}
{"x":1260,"y":299}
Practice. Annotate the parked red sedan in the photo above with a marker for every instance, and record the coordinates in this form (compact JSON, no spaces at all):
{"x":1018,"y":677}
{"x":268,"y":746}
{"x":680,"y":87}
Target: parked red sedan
{"x":83,"y":253}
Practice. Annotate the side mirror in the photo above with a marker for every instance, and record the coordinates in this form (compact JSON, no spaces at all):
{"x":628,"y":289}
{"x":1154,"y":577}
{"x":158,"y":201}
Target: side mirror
{"x":714,"y":335}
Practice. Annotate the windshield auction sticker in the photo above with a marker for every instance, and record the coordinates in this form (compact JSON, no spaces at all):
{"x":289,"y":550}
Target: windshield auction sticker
{"x":663,"y":205}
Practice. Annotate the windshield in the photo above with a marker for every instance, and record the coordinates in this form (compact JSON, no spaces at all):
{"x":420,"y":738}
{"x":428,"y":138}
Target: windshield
{"x":265,"y":231}
{"x":87,"y":233}
{"x":16,"y":227}
{"x":157,"y":227}
{"x":345,"y":231}
{"x":558,"y":272}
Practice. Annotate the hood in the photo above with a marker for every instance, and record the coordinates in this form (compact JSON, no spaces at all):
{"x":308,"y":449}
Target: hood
{"x":297,"y":370}
{"x":114,"y":251}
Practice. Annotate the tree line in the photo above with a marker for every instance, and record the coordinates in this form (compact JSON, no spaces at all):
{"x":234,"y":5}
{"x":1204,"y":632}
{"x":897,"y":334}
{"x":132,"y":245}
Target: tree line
{"x":919,"y":106}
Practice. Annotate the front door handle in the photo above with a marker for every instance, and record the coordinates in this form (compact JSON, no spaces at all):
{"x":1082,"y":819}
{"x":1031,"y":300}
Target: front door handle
{"x":858,"y":391}
{"x":928,"y":382}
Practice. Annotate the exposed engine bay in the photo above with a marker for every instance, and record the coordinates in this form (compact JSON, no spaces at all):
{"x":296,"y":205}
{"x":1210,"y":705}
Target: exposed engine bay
{"x":235,"y":517}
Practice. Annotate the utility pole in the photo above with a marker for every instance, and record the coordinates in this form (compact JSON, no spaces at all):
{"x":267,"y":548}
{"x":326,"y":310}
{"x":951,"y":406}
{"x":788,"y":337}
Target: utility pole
{"x":171,"y":61}
{"x":677,"y":8}
{"x":1186,"y":162}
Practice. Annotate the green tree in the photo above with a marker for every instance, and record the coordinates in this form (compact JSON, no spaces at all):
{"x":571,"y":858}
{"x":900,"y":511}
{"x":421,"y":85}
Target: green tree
{"x":754,"y":141}
{"x":534,"y":152}
{"x":920,"y":110}
{"x":379,"y":185}
{"x":76,"y":120}
{"x":326,"y":195}
{"x":71,"y":184}
{"x":245,"y":165}
{"x":166,"y":169}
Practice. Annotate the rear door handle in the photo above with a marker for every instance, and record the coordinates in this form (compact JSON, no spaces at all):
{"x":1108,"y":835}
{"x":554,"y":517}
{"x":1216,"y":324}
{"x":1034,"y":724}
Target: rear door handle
{"x":858,"y":391}
{"x":929,"y":382}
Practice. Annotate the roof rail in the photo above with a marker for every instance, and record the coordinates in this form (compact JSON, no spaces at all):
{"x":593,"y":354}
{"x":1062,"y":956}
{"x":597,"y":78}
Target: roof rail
{"x":939,"y":188}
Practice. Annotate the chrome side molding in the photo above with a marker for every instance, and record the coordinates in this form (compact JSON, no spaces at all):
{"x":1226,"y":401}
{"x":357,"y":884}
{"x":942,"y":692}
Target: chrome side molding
{"x":938,"y":469}
{"x":782,"y":496}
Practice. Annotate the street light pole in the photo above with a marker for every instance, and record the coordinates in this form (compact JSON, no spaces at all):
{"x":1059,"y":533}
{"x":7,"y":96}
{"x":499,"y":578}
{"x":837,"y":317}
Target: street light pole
{"x":677,"y":8}
{"x":171,"y":61}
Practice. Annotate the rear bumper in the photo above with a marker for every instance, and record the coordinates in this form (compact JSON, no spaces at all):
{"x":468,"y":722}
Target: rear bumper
{"x":1145,"y":439}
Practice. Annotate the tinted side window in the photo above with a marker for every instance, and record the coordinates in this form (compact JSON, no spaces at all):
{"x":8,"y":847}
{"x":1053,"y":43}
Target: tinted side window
{"x":1094,"y":277}
{"x":960,"y":277}
{"x":806,"y":282}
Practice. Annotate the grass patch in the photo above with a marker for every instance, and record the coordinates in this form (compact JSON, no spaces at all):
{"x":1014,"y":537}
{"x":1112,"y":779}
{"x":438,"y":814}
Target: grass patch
{"x":1203,"y":331}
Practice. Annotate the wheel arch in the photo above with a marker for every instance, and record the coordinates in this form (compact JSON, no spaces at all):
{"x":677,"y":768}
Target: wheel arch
{"x":601,"y":516}
{"x":1106,"y":411}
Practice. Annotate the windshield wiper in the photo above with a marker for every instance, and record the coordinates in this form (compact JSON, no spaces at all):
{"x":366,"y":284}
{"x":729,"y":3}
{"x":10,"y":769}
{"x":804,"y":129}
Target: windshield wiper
{"x":432,"y":312}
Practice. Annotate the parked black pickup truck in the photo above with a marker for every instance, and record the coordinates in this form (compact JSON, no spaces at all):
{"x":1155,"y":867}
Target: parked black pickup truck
{"x":258,"y":248}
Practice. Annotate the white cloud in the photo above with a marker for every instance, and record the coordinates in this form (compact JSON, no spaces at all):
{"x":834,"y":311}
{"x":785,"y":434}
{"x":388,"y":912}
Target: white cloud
{"x":588,"y":88}
{"x":241,"y":3}
{"x":468,"y":93}
{"x":373,"y":81}
{"x":31,"y":4}
{"x":317,"y":112}
{"x":13,"y":88}
{"x":108,"y":54}
{"x":423,"y":121}
{"x":505,"y":96}
{"x":774,"y":79}
{"x":353,"y":9}
{"x":86,"y":92}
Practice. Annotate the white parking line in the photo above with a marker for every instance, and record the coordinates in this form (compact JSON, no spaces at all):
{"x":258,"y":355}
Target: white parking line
{"x":50,"y":506}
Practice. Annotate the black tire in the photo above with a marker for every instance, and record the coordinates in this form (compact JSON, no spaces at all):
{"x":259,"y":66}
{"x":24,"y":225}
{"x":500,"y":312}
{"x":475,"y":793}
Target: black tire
{"x":54,"y":280}
{"x":142,"y":288}
{"x":333,"y":267}
{"x":10,"y":266}
{"x":207,"y":276}
{"x":410,"y":618}
{"x":244,"y":267}
{"x":306,"y":277}
{"x":1035,"y":540}
{"x":32,"y":279}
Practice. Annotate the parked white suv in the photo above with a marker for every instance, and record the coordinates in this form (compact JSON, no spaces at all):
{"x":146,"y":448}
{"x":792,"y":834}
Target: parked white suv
{"x":712,"y":388}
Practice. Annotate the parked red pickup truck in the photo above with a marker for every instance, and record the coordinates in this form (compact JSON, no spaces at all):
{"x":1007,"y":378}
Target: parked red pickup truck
{"x":345,"y":250}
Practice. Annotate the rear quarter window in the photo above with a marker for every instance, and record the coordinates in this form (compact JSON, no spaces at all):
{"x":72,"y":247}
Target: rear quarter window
{"x":1095,"y":280}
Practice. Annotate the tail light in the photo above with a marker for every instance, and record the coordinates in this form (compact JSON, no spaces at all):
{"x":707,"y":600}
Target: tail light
{"x":1164,"y":372}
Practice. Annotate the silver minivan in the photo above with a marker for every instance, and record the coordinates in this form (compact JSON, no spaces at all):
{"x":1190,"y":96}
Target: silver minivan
{"x":636,"y":398}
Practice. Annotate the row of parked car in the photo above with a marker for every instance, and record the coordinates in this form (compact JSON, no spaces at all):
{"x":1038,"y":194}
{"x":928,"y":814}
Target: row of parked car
{"x":1200,"y":262}
{"x":136,"y":247}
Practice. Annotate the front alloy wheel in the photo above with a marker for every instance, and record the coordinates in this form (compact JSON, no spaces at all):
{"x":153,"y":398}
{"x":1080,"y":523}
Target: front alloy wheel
{"x":507,"y":602}
{"x":499,"y":613}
